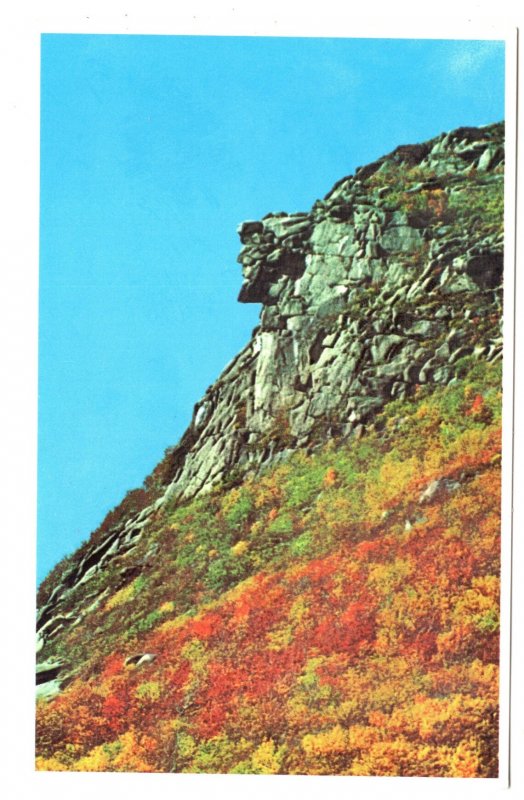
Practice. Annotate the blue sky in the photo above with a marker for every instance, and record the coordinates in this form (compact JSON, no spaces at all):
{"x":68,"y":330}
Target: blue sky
{"x":153,"y":150}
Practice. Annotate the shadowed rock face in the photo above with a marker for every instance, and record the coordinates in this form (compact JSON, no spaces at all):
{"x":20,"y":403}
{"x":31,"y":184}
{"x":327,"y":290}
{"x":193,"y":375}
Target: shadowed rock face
{"x":385,"y":284}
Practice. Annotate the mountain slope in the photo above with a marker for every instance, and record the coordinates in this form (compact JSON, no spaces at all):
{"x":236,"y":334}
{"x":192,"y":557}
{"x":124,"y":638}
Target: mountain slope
{"x":270,"y":603}
{"x":337,"y":615}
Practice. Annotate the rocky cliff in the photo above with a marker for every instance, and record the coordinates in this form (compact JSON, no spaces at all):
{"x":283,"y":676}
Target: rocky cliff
{"x":373,"y":291}
{"x":383,"y":286}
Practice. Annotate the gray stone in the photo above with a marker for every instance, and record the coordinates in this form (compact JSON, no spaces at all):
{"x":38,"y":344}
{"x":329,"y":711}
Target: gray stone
{"x":438,"y":485}
{"x":46,"y":691}
{"x":423,"y":327}
{"x":138,"y":659}
{"x":382,"y":345}
{"x":401,"y":239}
{"x":486,"y":158}
{"x":441,"y":374}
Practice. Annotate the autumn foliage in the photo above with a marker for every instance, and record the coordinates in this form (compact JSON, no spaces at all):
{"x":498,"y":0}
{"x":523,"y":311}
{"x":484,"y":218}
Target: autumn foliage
{"x":337,"y":615}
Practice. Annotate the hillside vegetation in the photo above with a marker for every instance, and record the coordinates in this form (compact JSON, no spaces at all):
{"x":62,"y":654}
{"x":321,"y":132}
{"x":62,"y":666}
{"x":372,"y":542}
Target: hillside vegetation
{"x":337,"y":614}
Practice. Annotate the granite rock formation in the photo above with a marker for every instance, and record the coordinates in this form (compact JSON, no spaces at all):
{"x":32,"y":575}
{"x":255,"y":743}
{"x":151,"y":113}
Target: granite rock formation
{"x":384,"y":285}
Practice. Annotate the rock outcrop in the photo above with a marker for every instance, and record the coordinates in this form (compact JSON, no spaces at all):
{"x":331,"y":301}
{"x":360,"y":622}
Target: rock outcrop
{"x":386,"y":284}
{"x":375,"y":290}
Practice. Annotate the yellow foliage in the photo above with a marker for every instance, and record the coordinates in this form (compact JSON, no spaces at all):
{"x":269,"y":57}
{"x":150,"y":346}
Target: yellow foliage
{"x":485,"y":675}
{"x":280,"y":639}
{"x":361,"y":737}
{"x":426,"y":411}
{"x":186,"y":745}
{"x":267,"y":758}
{"x":388,"y":577}
{"x":132,"y":754}
{"x":257,"y":527}
{"x":337,"y":512}
{"x":393,"y":479}
{"x":469,"y":443}
{"x":123,"y":595}
{"x":50,"y":765}
{"x":240,"y":548}
{"x":440,"y":720}
{"x":195,"y":652}
{"x":269,"y":488}
{"x":326,"y":742}
{"x":480,"y":604}
{"x":386,"y":637}
{"x":348,"y":709}
{"x":97,"y":760}
{"x":167,"y":607}
{"x":230,"y":499}
{"x":244,"y":586}
{"x":150,"y":691}
{"x":402,"y":757}
{"x":298,"y":610}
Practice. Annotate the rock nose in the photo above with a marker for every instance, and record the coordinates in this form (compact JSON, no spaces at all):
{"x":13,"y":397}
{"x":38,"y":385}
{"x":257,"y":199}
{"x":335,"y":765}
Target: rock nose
{"x":274,"y":250}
